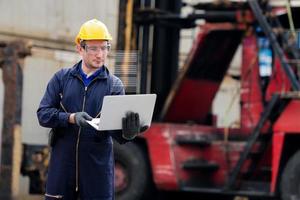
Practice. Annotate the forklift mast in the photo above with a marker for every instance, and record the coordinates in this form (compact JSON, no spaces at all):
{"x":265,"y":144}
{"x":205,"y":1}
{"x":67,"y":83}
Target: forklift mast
{"x":203,"y":71}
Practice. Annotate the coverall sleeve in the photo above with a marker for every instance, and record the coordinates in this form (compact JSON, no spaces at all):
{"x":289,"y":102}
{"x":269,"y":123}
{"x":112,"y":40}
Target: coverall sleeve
{"x":48,"y":113}
{"x":117,"y":89}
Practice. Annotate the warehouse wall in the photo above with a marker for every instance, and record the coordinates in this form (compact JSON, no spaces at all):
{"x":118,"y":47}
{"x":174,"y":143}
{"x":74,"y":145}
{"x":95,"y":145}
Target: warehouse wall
{"x":51,"y":26}
{"x":55,"y":19}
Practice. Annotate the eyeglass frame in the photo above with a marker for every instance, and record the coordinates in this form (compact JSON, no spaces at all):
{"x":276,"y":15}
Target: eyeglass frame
{"x":96,"y":50}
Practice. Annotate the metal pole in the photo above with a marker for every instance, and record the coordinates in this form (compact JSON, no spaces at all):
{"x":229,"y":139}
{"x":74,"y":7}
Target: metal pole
{"x":144,"y":59}
{"x":10,"y":59}
{"x":144,"y":56}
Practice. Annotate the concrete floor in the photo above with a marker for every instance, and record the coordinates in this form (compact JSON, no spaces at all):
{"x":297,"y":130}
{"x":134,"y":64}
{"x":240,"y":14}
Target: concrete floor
{"x":31,"y":197}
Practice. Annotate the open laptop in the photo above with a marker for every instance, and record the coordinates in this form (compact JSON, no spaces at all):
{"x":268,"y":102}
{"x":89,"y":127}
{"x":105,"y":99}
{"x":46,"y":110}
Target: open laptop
{"x":114,"y":108}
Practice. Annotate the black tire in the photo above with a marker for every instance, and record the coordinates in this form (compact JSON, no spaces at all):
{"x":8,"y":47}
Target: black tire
{"x":290,"y":179}
{"x":131,"y":159}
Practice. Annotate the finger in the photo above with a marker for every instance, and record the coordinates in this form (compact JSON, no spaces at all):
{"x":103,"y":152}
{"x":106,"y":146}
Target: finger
{"x":89,"y":117}
{"x":128,"y":121}
{"x":144,"y":128}
{"x":132,"y":119}
{"x":86,"y":116}
{"x":128,"y":114}
{"x":124,"y":123}
{"x":84,"y":123}
{"x":137,"y":119}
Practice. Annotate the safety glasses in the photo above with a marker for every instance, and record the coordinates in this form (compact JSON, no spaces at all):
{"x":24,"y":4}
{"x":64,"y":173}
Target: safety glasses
{"x":96,"y":49}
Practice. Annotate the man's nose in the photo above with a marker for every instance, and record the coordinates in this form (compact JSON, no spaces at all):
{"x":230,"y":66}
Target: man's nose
{"x":99,"y":53}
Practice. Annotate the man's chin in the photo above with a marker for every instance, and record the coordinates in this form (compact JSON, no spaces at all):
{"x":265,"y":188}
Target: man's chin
{"x":97,"y":65}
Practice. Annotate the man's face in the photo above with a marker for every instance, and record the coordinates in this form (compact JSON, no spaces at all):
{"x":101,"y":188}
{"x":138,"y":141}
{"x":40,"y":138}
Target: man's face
{"x":94,"y":53}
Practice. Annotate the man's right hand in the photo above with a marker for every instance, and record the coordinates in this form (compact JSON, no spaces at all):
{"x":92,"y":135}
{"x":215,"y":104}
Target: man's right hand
{"x":80,"y":118}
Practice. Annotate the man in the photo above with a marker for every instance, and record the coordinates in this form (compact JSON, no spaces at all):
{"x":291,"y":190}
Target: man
{"x":81,"y":163}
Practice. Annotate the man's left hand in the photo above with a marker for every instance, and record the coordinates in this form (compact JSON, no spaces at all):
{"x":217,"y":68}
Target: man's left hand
{"x":131,"y":126}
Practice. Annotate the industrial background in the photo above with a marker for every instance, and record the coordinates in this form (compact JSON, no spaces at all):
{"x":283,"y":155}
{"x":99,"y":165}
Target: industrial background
{"x":49,"y":28}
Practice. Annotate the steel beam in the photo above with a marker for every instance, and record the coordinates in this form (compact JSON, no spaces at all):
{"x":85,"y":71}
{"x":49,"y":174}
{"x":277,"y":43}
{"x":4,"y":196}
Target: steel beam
{"x":11,"y":56}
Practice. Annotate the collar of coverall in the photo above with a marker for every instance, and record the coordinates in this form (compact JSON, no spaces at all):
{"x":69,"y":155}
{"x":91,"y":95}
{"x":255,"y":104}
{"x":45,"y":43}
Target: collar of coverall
{"x":76,"y":71}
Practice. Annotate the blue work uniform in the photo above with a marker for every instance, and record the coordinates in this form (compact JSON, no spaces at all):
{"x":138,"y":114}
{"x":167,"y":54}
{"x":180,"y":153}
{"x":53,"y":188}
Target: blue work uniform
{"x":82,"y":158}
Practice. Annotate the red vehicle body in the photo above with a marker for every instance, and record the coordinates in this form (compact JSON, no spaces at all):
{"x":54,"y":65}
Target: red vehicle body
{"x":186,"y":151}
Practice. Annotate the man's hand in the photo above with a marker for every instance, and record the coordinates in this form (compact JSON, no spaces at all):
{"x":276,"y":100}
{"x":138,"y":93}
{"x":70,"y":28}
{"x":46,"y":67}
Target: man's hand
{"x":80,"y":118}
{"x":131,"y":126}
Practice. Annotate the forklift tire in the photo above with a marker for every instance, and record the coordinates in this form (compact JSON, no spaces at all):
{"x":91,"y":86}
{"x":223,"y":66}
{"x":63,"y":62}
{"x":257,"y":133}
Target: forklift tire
{"x":290,"y":180}
{"x":132,"y":173}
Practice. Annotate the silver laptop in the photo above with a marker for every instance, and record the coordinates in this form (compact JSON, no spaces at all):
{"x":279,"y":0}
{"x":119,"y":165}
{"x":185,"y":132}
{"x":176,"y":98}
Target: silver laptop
{"x":114,"y":108}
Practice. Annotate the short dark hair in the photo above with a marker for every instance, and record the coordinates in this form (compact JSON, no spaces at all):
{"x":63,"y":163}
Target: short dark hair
{"x":82,"y":43}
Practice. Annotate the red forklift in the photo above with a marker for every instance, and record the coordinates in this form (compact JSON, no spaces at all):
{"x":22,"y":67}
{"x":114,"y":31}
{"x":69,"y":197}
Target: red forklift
{"x":184,"y":150}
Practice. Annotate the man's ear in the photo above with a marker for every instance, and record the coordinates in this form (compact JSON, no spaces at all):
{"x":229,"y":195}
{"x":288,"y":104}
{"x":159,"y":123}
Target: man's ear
{"x":79,"y":49}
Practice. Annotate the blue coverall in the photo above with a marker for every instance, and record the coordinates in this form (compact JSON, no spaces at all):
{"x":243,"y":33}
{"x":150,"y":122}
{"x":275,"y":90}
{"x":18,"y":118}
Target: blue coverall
{"x":82,"y":158}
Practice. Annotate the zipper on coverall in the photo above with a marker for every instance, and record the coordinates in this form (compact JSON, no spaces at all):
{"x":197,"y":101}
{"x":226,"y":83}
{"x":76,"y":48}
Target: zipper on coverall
{"x":78,"y":135}
{"x":78,"y":138}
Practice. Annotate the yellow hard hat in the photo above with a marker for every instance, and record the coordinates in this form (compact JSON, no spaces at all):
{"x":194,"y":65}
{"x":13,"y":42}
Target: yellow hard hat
{"x":93,"y":30}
